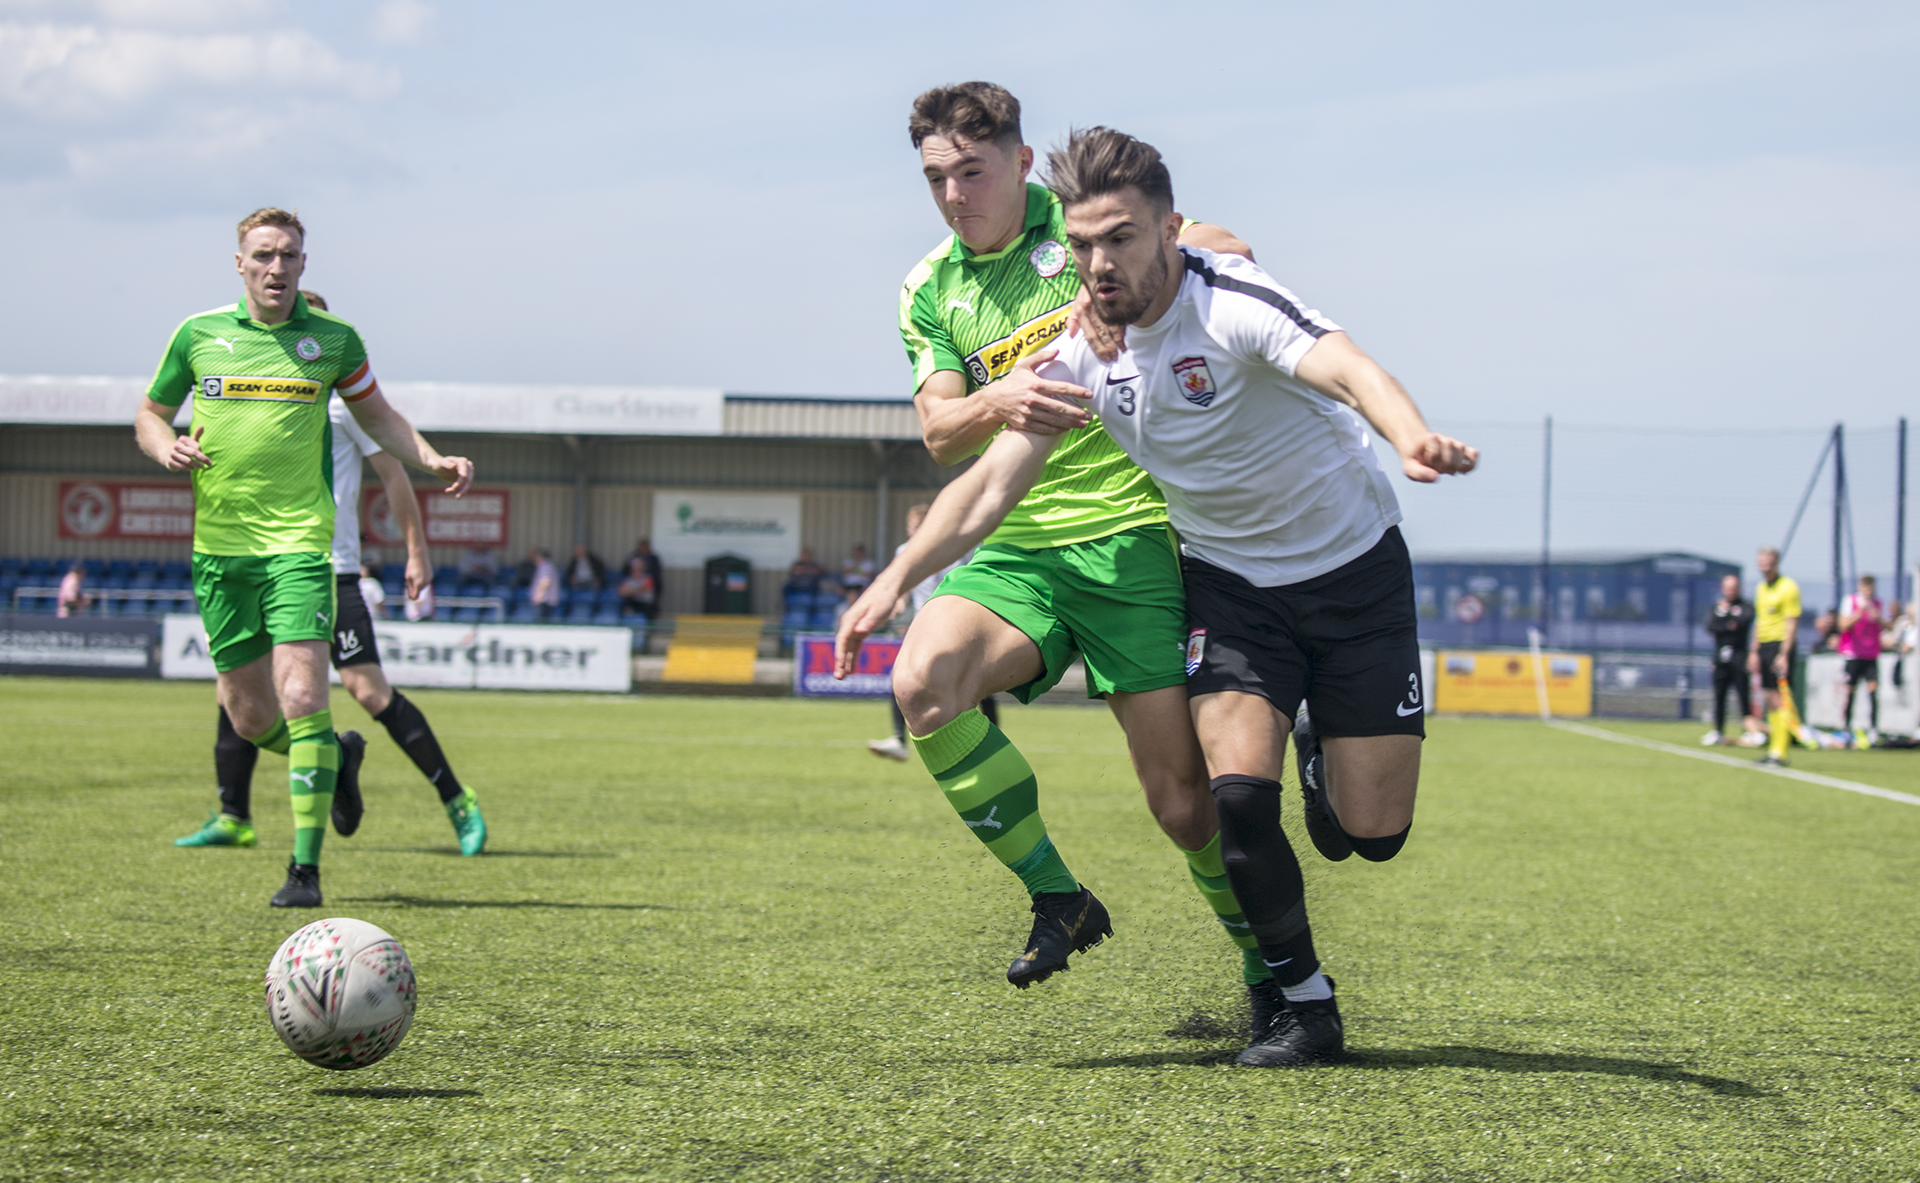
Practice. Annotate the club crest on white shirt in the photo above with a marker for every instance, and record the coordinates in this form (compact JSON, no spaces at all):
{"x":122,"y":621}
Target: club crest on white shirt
{"x":1195,"y":382}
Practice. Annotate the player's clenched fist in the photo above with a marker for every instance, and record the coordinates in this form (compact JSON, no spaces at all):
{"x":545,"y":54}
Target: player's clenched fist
{"x":1025,"y":401}
{"x":1434,"y":455}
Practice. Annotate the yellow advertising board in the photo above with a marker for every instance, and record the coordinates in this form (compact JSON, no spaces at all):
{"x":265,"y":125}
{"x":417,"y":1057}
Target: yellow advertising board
{"x":1502,"y":682}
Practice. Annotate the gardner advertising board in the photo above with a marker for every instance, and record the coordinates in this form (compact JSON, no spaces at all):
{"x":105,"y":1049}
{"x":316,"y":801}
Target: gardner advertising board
{"x":459,"y":656}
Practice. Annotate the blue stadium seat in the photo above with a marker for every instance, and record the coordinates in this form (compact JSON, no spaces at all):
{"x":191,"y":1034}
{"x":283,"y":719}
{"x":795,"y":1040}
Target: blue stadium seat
{"x":116,"y":581}
{"x":582,"y":597}
{"x":178,"y":570}
{"x":120,"y":567}
{"x":606,"y":616}
{"x":446,"y":575}
{"x":580,"y":614}
{"x":525,"y":613}
{"x":466,"y":615}
{"x":38,"y":569}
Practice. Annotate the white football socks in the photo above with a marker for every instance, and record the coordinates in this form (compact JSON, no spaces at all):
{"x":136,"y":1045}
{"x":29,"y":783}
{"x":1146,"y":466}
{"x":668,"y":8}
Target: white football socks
{"x":1314,"y":989}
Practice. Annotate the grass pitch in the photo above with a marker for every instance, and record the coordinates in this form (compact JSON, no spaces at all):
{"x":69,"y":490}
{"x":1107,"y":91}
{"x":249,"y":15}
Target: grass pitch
{"x":716,"y":939}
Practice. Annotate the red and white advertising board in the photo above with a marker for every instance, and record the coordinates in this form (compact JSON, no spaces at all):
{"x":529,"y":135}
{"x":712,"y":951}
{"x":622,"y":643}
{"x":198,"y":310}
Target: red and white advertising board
{"x":477,"y":519}
{"x":97,"y":510}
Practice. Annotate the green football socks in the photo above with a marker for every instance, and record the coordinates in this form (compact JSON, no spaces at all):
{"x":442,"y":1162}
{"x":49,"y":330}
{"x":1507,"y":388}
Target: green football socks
{"x":991,"y":786}
{"x":275,"y":740}
{"x":1210,"y":876}
{"x":313,"y":760}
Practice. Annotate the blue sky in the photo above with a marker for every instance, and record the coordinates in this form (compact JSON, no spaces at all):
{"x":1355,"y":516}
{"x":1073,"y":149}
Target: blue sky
{"x":1677,"y":219}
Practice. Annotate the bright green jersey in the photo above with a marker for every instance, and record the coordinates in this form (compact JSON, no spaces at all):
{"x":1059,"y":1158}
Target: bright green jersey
{"x":979,"y":314}
{"x":260,"y":396}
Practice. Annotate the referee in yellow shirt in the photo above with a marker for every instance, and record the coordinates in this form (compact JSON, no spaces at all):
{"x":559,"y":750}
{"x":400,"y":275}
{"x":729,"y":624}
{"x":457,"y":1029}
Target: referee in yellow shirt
{"x":1776,"y":620}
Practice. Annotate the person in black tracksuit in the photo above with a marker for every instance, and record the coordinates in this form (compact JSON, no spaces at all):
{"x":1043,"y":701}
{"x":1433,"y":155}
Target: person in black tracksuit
{"x":1730,"y":625}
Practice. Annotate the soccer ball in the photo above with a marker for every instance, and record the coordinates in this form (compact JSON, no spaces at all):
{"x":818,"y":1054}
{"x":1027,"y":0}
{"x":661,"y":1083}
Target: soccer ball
{"x":340,"y":993}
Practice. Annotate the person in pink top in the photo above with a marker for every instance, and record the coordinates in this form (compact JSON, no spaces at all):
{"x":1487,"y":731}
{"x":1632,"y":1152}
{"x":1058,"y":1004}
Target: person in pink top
{"x":1861,"y":618}
{"x":73,"y":598}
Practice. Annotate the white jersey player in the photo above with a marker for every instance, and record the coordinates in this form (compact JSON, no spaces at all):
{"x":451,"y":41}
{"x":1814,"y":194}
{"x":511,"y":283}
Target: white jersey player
{"x":1241,"y":403}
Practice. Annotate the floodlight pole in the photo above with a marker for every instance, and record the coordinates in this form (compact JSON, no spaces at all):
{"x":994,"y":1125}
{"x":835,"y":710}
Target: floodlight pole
{"x":1839,"y":510}
{"x":1545,"y":599}
{"x":1900,"y":589}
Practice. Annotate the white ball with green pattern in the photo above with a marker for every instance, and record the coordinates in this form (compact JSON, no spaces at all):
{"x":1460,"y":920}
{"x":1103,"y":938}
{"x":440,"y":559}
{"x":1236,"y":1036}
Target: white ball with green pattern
{"x":340,"y":993}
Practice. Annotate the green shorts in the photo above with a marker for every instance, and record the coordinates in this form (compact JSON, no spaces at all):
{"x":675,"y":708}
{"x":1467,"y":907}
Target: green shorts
{"x":250,"y":603}
{"x":1116,"y":601}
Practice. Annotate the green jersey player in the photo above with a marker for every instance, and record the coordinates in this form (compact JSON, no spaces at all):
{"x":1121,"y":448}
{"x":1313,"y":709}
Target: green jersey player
{"x":1084,"y":566}
{"x":261,"y":373}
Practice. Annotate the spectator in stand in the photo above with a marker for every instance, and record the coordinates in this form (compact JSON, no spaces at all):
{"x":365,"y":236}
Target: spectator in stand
{"x":639,"y":592}
{"x":857,"y":571}
{"x":643,"y":550}
{"x":372,"y":592}
{"x":74,"y":598}
{"x":1826,"y":633}
{"x":585,"y":571}
{"x":543,"y":582}
{"x":1862,"y":616}
{"x":476,"y":562}
{"x":1729,"y":625}
{"x":805,"y":574}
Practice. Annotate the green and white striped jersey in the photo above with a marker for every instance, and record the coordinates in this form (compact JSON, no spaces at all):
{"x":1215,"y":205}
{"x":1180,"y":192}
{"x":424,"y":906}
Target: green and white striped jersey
{"x":980,"y":314}
{"x":260,"y":393}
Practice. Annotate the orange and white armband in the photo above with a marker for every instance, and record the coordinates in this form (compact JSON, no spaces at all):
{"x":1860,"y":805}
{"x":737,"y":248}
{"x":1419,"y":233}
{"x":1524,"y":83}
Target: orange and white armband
{"x":358,"y":384}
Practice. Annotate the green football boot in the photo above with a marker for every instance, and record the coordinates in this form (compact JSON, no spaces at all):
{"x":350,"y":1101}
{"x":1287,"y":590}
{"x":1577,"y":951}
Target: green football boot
{"x":222,"y":829}
{"x":464,"y":812}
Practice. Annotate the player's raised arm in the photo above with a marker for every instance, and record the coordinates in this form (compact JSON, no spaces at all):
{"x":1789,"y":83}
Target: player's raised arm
{"x":1342,"y":371}
{"x":965,"y":512}
{"x":390,"y":429}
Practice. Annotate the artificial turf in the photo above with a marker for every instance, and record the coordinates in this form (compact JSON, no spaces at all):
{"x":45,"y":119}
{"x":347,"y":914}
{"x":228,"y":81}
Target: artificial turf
{"x":716,"y":939}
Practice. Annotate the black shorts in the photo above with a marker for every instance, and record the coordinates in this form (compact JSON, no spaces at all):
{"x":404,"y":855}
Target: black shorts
{"x":1346,"y":641}
{"x":352,"y":642}
{"x":1862,"y":669}
{"x":1769,"y":652}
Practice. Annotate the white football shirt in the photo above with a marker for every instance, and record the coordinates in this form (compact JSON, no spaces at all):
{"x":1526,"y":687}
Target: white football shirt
{"x":350,"y":443}
{"x":1264,"y":476}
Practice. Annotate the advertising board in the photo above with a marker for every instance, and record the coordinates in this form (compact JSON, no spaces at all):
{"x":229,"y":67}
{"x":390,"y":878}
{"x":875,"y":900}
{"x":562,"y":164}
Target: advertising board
{"x":457,"y":656}
{"x":1827,"y":693}
{"x":478,"y":518}
{"x":97,"y":646}
{"x":813,"y":668}
{"x":97,"y":510}
{"x":690,"y":527}
{"x":1502,"y":682}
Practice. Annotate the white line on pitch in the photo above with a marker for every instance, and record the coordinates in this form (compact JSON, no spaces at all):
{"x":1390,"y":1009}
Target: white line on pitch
{"x":1812,"y":778}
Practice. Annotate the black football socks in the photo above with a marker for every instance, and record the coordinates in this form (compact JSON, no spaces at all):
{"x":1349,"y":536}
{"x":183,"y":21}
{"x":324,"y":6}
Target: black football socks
{"x":410,"y":729}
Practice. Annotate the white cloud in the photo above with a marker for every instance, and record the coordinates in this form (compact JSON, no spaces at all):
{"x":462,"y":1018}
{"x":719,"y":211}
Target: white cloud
{"x":403,"y":22}
{"x":102,"y":105}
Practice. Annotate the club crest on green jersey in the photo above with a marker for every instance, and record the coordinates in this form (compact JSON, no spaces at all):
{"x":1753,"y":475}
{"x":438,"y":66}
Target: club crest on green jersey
{"x":307,"y":348}
{"x":1049,"y":259}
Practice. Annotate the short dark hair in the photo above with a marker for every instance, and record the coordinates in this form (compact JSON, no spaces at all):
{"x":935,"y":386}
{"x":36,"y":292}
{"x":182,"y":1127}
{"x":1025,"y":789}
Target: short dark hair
{"x":980,"y":111}
{"x":1097,"y":161}
{"x":316,"y":300}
